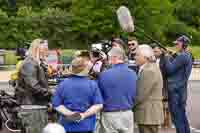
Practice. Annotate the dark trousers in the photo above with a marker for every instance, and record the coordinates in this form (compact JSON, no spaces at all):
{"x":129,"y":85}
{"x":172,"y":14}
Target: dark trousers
{"x":148,"y":128}
{"x":177,"y":107}
{"x":81,"y":132}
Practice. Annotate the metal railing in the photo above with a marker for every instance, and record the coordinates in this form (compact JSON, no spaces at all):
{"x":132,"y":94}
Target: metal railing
{"x":7,"y":67}
{"x":196,"y":63}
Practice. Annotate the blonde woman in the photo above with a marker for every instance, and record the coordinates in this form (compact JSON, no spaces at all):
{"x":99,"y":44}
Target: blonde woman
{"x":33,"y":85}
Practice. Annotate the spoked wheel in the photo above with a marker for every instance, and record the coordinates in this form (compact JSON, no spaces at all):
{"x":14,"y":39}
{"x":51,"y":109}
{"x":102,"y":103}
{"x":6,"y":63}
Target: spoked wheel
{"x":12,"y":127}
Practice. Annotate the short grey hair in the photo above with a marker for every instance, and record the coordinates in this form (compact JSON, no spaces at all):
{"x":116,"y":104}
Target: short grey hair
{"x":53,"y":128}
{"x":147,"y":52}
{"x":118,"y":52}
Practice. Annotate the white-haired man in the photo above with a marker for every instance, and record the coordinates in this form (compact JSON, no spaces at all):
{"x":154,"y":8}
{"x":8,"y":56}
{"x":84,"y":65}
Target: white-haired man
{"x":148,"y":110}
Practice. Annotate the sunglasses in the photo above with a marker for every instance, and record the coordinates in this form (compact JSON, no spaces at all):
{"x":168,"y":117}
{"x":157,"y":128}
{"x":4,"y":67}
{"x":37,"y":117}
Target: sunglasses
{"x":131,"y":44}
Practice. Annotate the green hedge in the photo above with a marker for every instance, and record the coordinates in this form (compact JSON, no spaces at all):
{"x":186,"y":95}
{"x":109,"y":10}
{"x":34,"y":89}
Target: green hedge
{"x":72,"y":24}
{"x":196,"y":52}
{"x":51,"y":24}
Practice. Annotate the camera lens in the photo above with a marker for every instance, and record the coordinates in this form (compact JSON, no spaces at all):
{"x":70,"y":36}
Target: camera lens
{"x":95,"y":54}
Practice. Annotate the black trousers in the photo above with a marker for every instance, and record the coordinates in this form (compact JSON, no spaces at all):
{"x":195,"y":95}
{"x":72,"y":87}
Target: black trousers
{"x":81,"y":132}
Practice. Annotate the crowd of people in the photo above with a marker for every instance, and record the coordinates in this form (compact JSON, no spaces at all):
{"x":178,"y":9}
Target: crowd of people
{"x":102,"y":93}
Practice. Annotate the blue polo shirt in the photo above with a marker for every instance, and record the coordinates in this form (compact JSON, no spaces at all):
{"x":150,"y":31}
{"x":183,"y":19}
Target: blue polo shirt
{"x":77,"y":94}
{"x":118,"y":87}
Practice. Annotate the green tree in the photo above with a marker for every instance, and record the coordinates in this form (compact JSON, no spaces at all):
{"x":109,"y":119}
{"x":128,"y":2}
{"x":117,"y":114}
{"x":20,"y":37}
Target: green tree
{"x":77,"y":23}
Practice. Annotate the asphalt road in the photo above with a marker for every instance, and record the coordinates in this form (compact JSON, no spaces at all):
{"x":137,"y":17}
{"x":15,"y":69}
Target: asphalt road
{"x":193,"y":106}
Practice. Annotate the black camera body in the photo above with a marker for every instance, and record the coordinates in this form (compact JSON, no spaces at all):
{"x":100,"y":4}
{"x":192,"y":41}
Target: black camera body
{"x":101,"y":48}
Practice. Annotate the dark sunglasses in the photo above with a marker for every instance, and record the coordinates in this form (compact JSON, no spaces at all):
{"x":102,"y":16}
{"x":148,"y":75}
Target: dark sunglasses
{"x":42,"y":41}
{"x":131,"y":44}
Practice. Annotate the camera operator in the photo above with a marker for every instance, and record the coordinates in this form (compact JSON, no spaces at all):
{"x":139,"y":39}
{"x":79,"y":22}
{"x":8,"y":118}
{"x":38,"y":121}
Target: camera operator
{"x":178,"y":70}
{"x":97,"y":62}
{"x":98,"y":56}
{"x":32,"y":82}
{"x":99,"y":53}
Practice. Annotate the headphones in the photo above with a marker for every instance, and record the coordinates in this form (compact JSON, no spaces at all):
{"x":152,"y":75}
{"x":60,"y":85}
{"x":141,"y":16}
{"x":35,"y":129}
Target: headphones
{"x":185,"y":40}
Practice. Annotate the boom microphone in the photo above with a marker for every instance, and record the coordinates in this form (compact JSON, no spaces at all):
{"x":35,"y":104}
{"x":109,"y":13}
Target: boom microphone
{"x":127,"y":24}
{"x":125,"y":19}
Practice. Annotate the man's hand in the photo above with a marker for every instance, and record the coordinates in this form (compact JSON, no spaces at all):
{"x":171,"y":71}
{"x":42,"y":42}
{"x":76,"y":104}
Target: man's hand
{"x":83,"y":116}
{"x":73,"y":116}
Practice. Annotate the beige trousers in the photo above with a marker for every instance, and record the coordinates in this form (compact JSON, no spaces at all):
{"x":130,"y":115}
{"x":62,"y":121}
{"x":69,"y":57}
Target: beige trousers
{"x":117,"y":122}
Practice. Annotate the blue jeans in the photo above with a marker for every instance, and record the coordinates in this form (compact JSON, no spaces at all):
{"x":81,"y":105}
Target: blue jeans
{"x":178,"y":113}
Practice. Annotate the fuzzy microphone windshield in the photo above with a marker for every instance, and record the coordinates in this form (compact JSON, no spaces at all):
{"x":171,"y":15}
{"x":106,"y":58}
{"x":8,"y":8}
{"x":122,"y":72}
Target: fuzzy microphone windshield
{"x":125,"y":19}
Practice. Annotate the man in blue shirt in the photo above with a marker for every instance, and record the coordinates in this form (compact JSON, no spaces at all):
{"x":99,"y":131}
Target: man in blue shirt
{"x":118,"y":88}
{"x":178,"y":70}
{"x":78,"y":99}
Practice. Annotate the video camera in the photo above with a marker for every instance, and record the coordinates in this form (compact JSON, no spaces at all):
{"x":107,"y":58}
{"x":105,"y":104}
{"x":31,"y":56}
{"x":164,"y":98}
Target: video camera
{"x":101,"y":49}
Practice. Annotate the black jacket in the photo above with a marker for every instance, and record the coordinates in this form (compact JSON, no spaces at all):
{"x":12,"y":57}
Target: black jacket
{"x":32,"y":83}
